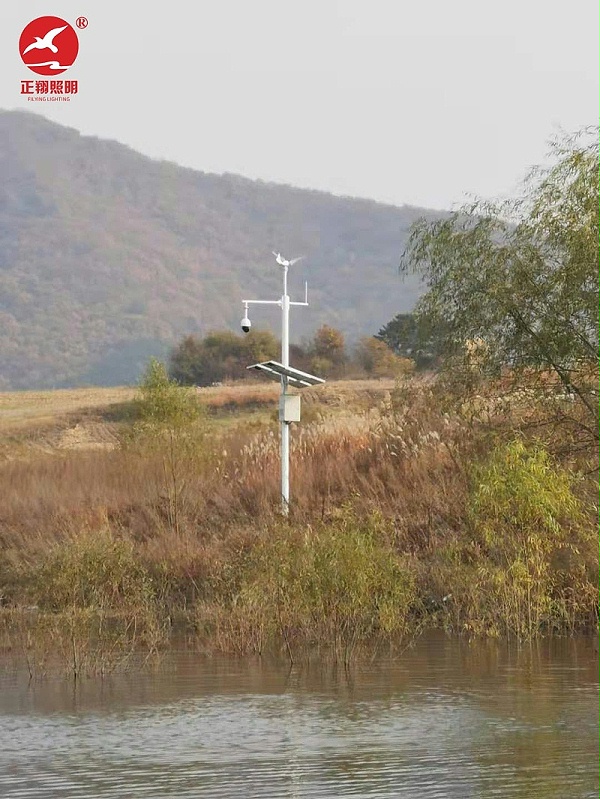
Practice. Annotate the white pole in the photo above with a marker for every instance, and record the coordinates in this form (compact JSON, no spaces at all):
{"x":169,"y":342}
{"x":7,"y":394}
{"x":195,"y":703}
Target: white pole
{"x":285,"y":322}
{"x":285,"y":304}
{"x":285,"y":426}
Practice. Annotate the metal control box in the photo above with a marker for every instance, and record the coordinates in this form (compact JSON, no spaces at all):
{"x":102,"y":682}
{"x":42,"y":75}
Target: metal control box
{"x":289,"y":408}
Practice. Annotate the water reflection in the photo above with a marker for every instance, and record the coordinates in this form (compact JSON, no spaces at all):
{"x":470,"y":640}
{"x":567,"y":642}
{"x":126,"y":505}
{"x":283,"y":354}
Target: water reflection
{"x":444,"y":719}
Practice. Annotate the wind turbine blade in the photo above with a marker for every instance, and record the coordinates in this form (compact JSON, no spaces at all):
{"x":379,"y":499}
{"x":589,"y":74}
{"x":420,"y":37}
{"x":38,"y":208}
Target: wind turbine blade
{"x":295,"y":260}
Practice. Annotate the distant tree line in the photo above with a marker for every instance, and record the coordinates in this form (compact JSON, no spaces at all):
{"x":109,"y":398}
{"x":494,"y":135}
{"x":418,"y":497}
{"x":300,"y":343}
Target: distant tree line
{"x":223,"y":355}
{"x":413,"y":338}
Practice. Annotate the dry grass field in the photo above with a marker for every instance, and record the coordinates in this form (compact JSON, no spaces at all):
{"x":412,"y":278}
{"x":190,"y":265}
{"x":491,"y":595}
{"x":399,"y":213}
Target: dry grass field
{"x":399,"y":502}
{"x":35,"y":422}
{"x":23,"y":410}
{"x":173,"y":516}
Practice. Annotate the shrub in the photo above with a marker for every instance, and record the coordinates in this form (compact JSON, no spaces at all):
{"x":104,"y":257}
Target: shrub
{"x":95,"y":609}
{"x":377,"y":359}
{"x":94,"y":571}
{"x":162,"y":403}
{"x":520,"y":568}
{"x":169,"y":428}
{"x":336,"y":586}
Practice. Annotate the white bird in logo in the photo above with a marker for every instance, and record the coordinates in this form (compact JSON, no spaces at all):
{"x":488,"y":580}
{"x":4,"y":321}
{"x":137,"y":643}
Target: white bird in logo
{"x":46,"y":42}
{"x":284,"y":262}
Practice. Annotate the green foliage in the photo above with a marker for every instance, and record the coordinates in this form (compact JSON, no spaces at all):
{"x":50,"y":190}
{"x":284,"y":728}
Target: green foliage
{"x":521,"y":276}
{"x":162,"y":403}
{"x":526,"y":566}
{"x":411,"y":338}
{"x":520,"y":496}
{"x":95,"y":607}
{"x":169,"y":427}
{"x":337,"y":586}
{"x":260,"y":345}
{"x":186,"y":363}
{"x":95,"y":572}
{"x":221,"y":355}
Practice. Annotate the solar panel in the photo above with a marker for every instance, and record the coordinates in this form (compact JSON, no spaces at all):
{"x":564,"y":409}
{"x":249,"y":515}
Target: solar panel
{"x":296,"y":378}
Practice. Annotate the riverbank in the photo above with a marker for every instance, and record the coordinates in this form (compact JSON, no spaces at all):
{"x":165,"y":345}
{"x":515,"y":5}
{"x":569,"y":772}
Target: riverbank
{"x":409,"y":513}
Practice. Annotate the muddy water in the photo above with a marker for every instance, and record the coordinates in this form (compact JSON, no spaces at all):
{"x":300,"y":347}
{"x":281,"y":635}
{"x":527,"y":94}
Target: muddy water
{"x":443,"y":719}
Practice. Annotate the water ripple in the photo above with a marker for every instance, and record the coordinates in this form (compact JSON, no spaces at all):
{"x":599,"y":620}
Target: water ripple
{"x":385,"y":735}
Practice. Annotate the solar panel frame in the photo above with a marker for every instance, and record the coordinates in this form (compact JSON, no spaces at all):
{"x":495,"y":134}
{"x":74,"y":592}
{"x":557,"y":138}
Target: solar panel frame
{"x":296,"y":378}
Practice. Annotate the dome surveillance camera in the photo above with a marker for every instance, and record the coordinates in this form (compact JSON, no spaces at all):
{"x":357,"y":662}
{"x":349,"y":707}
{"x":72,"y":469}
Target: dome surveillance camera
{"x":246,"y":324}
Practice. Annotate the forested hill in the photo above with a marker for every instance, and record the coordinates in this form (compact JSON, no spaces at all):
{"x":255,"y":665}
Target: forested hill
{"x":108,"y":257}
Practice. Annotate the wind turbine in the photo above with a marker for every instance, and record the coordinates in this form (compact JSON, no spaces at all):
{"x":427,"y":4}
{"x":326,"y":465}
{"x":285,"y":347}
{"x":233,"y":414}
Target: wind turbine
{"x":283,"y":261}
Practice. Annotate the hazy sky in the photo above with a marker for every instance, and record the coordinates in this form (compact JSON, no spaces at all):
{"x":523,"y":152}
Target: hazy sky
{"x":405,"y":102}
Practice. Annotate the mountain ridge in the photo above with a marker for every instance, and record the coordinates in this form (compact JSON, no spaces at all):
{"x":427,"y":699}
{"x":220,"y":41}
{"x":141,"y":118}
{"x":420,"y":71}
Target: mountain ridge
{"x":108,"y":256}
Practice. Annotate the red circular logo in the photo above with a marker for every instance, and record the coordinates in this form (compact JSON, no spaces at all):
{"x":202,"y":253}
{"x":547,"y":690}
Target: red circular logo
{"x":48,"y":45}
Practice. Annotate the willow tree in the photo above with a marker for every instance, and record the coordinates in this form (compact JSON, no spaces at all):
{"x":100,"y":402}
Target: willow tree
{"x":522,"y":275}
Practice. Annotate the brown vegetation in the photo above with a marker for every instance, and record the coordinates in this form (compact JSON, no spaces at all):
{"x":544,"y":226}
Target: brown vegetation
{"x":405,"y":513}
